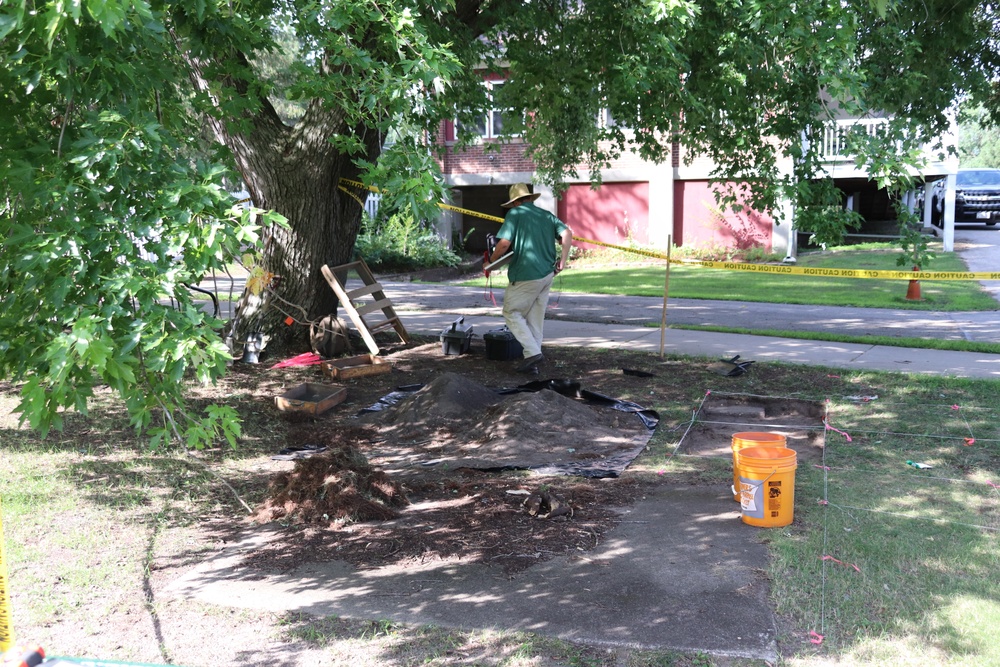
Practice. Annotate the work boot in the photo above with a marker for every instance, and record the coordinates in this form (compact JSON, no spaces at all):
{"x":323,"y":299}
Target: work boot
{"x":530,"y":365}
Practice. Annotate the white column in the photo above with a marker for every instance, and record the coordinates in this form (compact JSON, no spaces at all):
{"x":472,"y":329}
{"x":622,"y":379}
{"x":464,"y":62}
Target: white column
{"x":928,"y":194}
{"x":661,"y":205}
{"x":949,"y":214}
{"x":786,"y":234}
{"x":449,"y":221}
{"x":547,"y":200}
{"x":783,"y":236}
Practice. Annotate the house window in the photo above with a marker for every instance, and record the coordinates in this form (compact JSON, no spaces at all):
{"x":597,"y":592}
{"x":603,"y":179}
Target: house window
{"x":605,"y":119}
{"x":608,"y":121}
{"x":491,"y":124}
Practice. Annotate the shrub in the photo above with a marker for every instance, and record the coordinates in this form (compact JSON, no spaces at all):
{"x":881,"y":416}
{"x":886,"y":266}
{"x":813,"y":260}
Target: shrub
{"x":401,"y":243}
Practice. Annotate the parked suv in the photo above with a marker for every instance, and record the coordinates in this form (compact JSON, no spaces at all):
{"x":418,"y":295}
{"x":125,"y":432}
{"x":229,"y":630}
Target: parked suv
{"x":977,"y":197}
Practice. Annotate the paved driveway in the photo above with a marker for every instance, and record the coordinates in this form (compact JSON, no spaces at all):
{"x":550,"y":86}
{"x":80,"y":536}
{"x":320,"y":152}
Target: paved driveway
{"x":979,"y":246}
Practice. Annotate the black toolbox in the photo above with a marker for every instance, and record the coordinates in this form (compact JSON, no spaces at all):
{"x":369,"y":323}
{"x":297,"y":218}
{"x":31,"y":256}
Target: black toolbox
{"x":457,"y":338}
{"x":501,"y":345}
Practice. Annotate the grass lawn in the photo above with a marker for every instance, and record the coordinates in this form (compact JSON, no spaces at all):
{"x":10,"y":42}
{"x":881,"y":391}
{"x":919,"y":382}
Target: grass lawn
{"x":642,"y":278}
{"x":891,"y":564}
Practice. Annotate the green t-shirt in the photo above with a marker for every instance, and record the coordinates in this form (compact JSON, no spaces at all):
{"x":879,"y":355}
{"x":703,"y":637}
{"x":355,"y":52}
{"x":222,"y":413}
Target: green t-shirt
{"x":532,"y":232}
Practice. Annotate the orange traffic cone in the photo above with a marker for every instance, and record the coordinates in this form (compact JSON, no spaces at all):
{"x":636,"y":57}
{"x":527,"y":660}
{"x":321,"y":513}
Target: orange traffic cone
{"x":913,"y":290}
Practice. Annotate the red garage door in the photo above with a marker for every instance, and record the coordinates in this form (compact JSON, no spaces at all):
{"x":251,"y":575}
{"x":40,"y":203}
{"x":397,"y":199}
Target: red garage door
{"x":699,"y":222}
{"x":614,"y":213}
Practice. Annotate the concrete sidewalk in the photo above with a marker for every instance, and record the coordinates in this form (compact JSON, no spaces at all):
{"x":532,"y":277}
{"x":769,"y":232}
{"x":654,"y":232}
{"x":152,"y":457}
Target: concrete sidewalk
{"x":680,"y":572}
{"x":633,"y":323}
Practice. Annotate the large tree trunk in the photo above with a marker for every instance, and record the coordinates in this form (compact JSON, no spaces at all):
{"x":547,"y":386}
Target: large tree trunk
{"x":294,"y":171}
{"x":323,"y":223}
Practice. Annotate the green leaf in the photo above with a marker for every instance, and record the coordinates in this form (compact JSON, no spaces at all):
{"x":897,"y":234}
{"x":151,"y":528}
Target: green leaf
{"x":54,"y":20}
{"x":7,"y":24}
{"x":108,"y":13}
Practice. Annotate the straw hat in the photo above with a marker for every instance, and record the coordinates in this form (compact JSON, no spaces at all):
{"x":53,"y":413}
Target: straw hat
{"x":520,"y":191}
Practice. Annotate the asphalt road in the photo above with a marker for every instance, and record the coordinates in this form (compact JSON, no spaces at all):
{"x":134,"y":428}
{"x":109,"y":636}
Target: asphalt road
{"x":978,"y":246}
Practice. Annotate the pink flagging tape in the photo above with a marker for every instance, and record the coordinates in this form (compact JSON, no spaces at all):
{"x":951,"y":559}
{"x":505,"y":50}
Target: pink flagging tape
{"x":815,"y":637}
{"x":831,"y":428}
{"x":824,"y":502}
{"x":304,"y":359}
{"x":488,"y":293}
{"x":969,"y":442}
{"x":840,"y":562}
{"x":956,"y":407}
{"x":827,"y":468}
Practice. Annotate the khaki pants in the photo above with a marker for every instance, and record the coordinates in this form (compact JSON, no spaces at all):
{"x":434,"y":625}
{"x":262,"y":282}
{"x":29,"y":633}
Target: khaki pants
{"x":524,"y":304}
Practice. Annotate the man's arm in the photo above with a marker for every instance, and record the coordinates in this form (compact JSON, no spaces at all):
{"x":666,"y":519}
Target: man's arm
{"x":502,"y":246}
{"x":566,"y":238}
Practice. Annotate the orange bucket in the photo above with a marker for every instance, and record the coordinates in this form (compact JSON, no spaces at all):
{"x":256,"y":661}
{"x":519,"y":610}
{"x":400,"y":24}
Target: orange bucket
{"x":750,"y":439}
{"x":767,"y":486}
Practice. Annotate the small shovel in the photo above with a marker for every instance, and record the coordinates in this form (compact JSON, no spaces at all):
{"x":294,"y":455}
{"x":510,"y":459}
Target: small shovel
{"x":730,"y":367}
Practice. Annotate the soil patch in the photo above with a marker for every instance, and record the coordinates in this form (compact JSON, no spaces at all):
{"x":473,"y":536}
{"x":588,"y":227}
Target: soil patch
{"x":723,"y":415}
{"x":334,"y":486}
{"x":432,"y":474}
{"x":438,"y":462}
{"x":455,"y":422}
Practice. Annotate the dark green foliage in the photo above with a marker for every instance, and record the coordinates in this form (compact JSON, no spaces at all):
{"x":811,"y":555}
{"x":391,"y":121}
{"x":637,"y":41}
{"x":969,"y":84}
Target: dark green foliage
{"x":399,"y":243}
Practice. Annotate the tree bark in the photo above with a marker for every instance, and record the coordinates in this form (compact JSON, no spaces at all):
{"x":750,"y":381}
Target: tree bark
{"x":323,"y":223}
{"x":294,"y":171}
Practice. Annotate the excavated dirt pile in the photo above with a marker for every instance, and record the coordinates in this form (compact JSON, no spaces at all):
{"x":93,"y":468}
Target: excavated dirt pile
{"x":450,"y":423}
{"x":336,"y":486}
{"x":458,"y":422}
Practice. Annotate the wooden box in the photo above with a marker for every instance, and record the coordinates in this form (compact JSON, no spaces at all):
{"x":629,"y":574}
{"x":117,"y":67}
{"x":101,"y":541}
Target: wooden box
{"x":352,"y":367}
{"x":313,"y":399}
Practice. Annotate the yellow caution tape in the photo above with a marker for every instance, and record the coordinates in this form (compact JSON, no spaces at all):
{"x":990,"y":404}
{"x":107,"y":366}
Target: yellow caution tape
{"x":6,"y":620}
{"x":447,"y":207}
{"x":351,"y":195}
{"x":474,"y":214}
{"x":635,"y":251}
{"x":849,"y":273}
{"x":359,"y":184}
{"x":781,"y":269}
{"x":784,"y":269}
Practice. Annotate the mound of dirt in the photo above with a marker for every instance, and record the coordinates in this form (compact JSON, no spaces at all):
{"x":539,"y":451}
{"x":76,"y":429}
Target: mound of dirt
{"x":334,"y":487}
{"x":449,"y":396}
{"x":539,"y":411}
{"x":456,"y":422}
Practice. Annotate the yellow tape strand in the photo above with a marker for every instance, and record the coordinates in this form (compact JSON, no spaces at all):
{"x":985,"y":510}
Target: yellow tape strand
{"x":447,"y":207}
{"x":6,"y":620}
{"x":847,"y":273}
{"x":475,"y":214}
{"x":781,"y":269}
{"x":351,"y":195}
{"x":804,"y":271}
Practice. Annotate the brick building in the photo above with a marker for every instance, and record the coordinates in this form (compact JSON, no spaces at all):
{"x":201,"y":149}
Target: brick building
{"x":640,"y":201}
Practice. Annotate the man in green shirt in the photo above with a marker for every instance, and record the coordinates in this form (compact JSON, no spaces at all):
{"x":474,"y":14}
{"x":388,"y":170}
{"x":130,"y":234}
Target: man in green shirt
{"x":530,"y":233}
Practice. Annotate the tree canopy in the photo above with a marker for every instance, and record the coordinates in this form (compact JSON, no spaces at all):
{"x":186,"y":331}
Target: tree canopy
{"x":978,"y":138}
{"x":127,"y":123}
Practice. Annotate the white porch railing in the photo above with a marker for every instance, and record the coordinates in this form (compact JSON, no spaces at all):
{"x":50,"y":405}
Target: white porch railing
{"x":372,"y":203}
{"x":834,"y":142}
